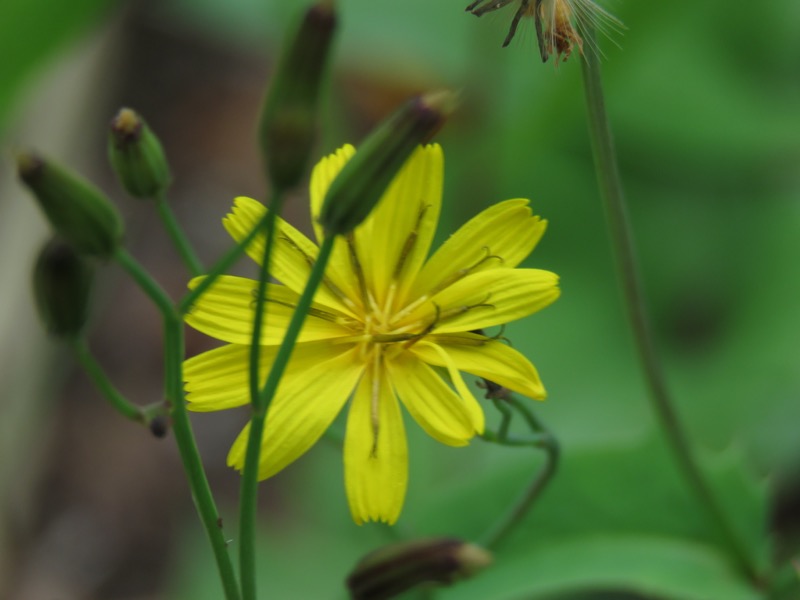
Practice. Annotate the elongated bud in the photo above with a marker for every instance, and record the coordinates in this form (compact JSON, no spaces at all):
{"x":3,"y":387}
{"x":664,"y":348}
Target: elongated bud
{"x":289,"y":119}
{"x":62,"y":281}
{"x":137,"y":156}
{"x":364,"y":179}
{"x":395,"y":569}
{"x":76,"y":209}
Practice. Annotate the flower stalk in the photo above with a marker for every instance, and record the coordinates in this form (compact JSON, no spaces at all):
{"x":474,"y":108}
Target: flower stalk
{"x":249,"y":485}
{"x":177,"y":235}
{"x":187,"y":446}
{"x":261,"y":399}
{"x":121,"y":404}
{"x":541,"y":438}
{"x":611,"y":191}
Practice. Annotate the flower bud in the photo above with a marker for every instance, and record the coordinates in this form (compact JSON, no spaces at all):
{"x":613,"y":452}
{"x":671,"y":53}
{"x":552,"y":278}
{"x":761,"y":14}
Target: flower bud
{"x":289,"y":119}
{"x":137,"y":156}
{"x":77,"y":210}
{"x":395,"y":569}
{"x":62,"y":281}
{"x":363,"y":180}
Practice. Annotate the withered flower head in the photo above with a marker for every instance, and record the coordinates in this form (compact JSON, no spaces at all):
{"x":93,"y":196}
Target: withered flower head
{"x":559,"y":23}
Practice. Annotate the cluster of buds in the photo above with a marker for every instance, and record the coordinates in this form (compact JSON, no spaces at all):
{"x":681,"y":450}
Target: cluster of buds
{"x":85,"y":221}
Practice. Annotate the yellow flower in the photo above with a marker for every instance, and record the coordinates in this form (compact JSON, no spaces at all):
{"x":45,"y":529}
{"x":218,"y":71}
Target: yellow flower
{"x":386,"y":325}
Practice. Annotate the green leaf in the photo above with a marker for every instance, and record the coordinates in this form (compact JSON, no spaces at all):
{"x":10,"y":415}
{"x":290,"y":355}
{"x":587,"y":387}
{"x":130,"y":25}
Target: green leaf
{"x":655,"y":567}
{"x":624,"y":505}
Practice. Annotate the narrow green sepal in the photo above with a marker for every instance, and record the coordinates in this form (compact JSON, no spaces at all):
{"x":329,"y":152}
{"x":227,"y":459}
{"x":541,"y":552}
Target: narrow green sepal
{"x":364,"y":179}
{"x":77,"y":210}
{"x":288,"y":123}
{"x":137,"y":156}
{"x":62,"y":282}
{"x":394,"y":569}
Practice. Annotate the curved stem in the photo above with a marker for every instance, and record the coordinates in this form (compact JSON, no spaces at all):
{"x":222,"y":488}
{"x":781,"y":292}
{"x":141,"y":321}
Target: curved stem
{"x":501,"y":405}
{"x":187,"y":447}
{"x":542,"y":439}
{"x":249,"y":484}
{"x":115,"y":398}
{"x":611,"y":191}
{"x":222,"y":265}
{"x":178,"y":236}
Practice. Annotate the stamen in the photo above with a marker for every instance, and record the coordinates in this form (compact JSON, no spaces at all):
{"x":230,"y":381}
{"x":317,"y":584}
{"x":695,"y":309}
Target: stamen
{"x":372,"y":306}
{"x":427,"y":330}
{"x":410,"y":308}
{"x":460,"y":340}
{"x":356,"y":265}
{"x":314,"y":312}
{"x":375,"y":408}
{"x":408,"y":246}
{"x":325,"y":279}
{"x":461,"y":273}
{"x":454,"y":312}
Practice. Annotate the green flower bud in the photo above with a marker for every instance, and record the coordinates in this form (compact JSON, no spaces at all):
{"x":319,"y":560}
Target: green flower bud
{"x":76,"y":209}
{"x":364,"y":179}
{"x":395,"y":569}
{"x":289,"y":120}
{"x":62,"y":281}
{"x":137,"y":156}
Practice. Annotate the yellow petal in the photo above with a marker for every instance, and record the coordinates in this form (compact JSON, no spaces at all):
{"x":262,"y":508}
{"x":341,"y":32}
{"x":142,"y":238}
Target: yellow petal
{"x":425,"y":350}
{"x":486,"y":299}
{"x":292,"y":253}
{"x":226,"y":310}
{"x":492,"y":360}
{"x":434,"y":406}
{"x":398,"y":233}
{"x":309,"y":397}
{"x":219,"y":379}
{"x":323,"y":174}
{"x":376,"y":468}
{"x":501,"y":236}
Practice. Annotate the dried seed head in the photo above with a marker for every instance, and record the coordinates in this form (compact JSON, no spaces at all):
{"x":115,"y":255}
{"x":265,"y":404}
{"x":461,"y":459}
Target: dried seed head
{"x":395,"y":569}
{"x":559,"y":23}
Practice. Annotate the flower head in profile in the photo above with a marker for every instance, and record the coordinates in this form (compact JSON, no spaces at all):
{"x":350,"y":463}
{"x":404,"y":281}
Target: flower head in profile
{"x":558,"y":23}
{"x":388,"y":328}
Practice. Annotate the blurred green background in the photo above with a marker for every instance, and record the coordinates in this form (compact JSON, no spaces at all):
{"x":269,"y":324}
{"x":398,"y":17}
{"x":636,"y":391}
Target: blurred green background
{"x":704,"y":99}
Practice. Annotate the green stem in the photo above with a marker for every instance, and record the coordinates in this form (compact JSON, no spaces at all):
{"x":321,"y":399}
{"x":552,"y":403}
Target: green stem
{"x":222,"y":265}
{"x":502,"y":406}
{"x":178,"y":236}
{"x":622,"y":239}
{"x":190,"y":456}
{"x":249,"y":487}
{"x":542,"y":439}
{"x":114,"y":397}
{"x":536,"y":440}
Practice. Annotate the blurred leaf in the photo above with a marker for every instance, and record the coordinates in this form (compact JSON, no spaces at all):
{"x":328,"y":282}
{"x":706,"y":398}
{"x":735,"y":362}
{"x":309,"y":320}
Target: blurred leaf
{"x":743,"y":499}
{"x":657,"y":568}
{"x":32,"y":30}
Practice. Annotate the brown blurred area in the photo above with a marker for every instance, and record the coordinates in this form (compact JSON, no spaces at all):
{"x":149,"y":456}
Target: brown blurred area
{"x":102,"y":501}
